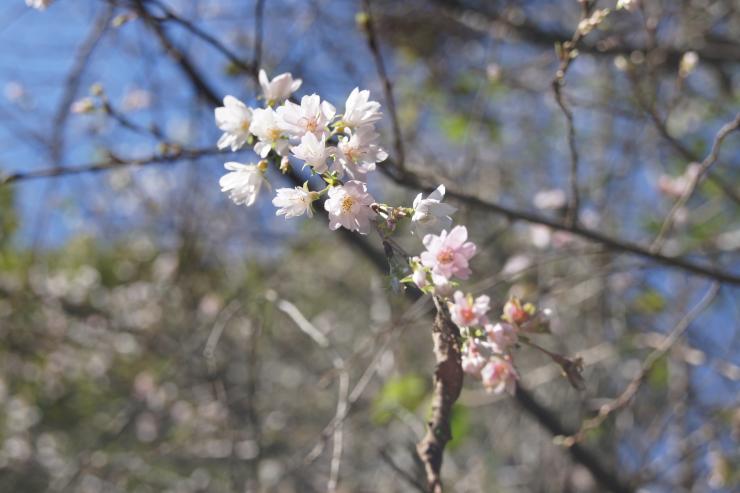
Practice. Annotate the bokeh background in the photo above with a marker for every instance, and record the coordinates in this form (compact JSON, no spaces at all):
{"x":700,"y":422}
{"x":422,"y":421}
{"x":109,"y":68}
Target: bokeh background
{"x":152,"y":333}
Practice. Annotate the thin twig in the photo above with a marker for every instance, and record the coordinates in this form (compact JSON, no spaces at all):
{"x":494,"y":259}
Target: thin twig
{"x":567,"y":54}
{"x":373,"y":44}
{"x":111,"y":163}
{"x":694,"y":183}
{"x":259,"y":13}
{"x":403,"y":474}
{"x":629,"y":392}
{"x":343,"y":388}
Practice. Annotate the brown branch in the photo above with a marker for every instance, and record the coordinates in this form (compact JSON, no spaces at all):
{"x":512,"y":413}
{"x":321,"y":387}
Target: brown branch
{"x":694,"y":183}
{"x":112,"y":163}
{"x":201,"y":87}
{"x":247,"y":67}
{"x":567,"y":53}
{"x":448,"y":380}
{"x":680,"y":148}
{"x":372,"y":42}
{"x":629,"y":392}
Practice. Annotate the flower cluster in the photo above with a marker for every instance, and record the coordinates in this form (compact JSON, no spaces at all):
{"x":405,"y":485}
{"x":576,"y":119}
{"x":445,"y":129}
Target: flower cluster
{"x":341,"y":149}
{"x":334,"y":146}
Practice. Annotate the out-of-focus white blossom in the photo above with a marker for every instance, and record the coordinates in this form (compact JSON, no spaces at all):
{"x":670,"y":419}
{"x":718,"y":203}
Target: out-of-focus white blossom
{"x":84,"y":105}
{"x":676,"y":186}
{"x":549,"y":199}
{"x":689,"y":61}
{"x":39,"y":4}
{"x":629,"y":5}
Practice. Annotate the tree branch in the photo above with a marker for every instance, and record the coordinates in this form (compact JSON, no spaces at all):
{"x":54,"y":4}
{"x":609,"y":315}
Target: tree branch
{"x":448,"y":380}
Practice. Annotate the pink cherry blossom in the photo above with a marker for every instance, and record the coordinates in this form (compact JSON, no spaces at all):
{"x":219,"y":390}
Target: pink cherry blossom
{"x":447,"y":255}
{"x":467,"y":312}
{"x":499,"y":375}
{"x":501,"y":336}
{"x":472,"y":359}
{"x":348,"y":205}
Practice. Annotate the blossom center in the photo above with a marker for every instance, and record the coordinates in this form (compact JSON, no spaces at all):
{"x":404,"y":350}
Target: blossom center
{"x":274,"y":133}
{"x":311,"y":124}
{"x":347,"y":203}
{"x":445,"y":256}
{"x":244,"y":126}
{"x":467,"y":314}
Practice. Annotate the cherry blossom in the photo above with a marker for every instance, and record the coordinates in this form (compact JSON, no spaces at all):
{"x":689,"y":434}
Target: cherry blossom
{"x":430,"y":214}
{"x":447,"y":255}
{"x":358,"y":111}
{"x":312,"y":115}
{"x":499,"y":375}
{"x":348,"y":206}
{"x":294,"y":202}
{"x":419,"y":273}
{"x":358,"y":152}
{"x":234,"y":118}
{"x":265,"y":127}
{"x":629,"y":5}
{"x":516,"y":313}
{"x":313,"y":151}
{"x":39,"y":4}
{"x":501,"y":336}
{"x":244,"y":181}
{"x":468,"y":312}
{"x":472,"y":359}
{"x":278,"y":89}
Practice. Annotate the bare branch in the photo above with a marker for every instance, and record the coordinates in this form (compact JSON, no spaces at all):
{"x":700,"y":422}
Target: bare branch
{"x":372,"y":42}
{"x":629,"y":392}
{"x":703,"y":170}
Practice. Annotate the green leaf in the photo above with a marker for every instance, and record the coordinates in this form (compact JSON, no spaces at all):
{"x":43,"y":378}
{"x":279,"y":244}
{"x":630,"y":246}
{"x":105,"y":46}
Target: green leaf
{"x":460,"y":425}
{"x":650,"y":302}
{"x":405,"y":391}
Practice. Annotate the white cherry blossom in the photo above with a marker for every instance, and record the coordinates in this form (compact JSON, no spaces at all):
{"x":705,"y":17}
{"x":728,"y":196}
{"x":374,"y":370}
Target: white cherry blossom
{"x":358,"y":111}
{"x":348,"y":206}
{"x":265,"y":126}
{"x":234,"y":118}
{"x":39,"y":4}
{"x":243,"y":182}
{"x":313,"y":151}
{"x":311,"y":116}
{"x":278,"y":89}
{"x":430,"y":214}
{"x":294,"y":202}
{"x":358,"y":152}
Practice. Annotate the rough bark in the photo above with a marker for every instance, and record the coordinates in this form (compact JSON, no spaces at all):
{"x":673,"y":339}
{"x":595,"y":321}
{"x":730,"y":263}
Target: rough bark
{"x":448,"y":380}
